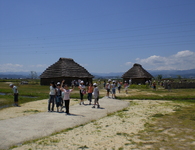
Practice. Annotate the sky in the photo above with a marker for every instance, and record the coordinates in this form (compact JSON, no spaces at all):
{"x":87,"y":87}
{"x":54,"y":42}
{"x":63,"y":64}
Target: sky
{"x":103,"y":36}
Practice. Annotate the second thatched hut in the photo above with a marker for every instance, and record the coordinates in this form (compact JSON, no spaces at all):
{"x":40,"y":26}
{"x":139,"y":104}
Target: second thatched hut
{"x":65,"y":69}
{"x":137,"y":74}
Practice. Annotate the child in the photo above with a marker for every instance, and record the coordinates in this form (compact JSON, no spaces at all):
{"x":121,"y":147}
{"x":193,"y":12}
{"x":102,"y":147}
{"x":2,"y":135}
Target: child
{"x":89,"y":91}
{"x":96,"y":95}
{"x":66,"y":97}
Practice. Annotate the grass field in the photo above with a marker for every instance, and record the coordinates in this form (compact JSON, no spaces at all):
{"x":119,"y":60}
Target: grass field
{"x":34,"y":91}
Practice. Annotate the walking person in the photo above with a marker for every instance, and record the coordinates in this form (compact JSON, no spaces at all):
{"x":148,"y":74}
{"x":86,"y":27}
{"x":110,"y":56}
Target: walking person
{"x":113,"y":86}
{"x":108,"y":88}
{"x":66,"y":97}
{"x":52,"y":95}
{"x":169,"y":86}
{"x":126,"y":87}
{"x":59,"y":102}
{"x":90,"y":91}
{"x":82,"y":92}
{"x":96,"y":96}
{"x":15,"y":93}
{"x":119,"y":86}
{"x":154,"y":85}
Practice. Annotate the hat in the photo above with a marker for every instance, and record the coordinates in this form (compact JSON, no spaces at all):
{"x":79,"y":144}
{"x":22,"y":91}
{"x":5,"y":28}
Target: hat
{"x":95,"y":84}
{"x":109,"y":80}
{"x":113,"y":81}
{"x":11,"y":85}
{"x":81,"y":82}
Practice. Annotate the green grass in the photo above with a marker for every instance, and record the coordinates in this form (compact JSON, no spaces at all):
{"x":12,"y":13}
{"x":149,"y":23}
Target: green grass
{"x":27,"y":93}
{"x":173,"y":131}
{"x":160,"y":94}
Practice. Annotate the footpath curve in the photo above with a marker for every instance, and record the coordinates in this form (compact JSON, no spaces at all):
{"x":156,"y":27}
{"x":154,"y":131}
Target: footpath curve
{"x":15,"y":131}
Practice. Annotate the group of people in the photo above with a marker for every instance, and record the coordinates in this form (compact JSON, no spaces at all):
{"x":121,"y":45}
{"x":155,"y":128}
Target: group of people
{"x":111,"y":87}
{"x":60,"y":95}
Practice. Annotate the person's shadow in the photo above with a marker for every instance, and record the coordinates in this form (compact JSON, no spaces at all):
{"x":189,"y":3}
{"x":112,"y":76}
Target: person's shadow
{"x":70,"y":114}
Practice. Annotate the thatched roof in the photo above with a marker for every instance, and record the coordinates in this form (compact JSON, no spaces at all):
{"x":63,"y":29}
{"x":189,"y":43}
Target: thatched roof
{"x":137,"y":72}
{"x":66,"y":67}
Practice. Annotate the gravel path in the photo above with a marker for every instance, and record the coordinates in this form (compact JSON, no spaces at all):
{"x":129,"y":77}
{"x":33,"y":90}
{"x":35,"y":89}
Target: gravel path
{"x":18,"y":130}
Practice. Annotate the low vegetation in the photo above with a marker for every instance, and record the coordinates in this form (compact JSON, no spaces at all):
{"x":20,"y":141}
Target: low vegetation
{"x":34,"y":91}
{"x":175,"y":130}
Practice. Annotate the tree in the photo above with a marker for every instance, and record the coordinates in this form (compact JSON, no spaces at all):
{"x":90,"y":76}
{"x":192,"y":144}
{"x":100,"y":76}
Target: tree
{"x":179,"y":77}
{"x":159,"y":77}
{"x":33,"y":75}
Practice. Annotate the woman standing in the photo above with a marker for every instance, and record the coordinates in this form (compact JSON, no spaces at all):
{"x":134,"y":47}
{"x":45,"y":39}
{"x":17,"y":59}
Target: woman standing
{"x":90,"y":91}
{"x":82,"y":92}
{"x":66,"y":97}
{"x":52,"y":95}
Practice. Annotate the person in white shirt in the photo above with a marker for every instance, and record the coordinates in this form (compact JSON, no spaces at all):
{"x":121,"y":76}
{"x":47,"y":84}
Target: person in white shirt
{"x":82,"y":91}
{"x":15,"y":93}
{"x":96,"y":96}
{"x":52,"y":95}
{"x":66,"y":97}
{"x":108,"y":88}
{"x":113,"y":86}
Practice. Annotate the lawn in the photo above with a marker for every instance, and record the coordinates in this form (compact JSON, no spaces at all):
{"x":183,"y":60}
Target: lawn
{"x":34,"y":91}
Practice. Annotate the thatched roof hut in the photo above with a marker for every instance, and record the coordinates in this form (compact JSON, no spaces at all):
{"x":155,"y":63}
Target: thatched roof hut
{"x":137,"y":74}
{"x":67,"y":69}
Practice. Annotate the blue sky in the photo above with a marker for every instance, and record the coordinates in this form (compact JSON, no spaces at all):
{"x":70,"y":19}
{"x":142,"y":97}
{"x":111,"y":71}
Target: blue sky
{"x":101,"y":35}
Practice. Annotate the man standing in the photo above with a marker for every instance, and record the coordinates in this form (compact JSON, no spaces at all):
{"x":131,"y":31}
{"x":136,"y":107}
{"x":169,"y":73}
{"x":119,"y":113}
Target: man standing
{"x":15,"y":93}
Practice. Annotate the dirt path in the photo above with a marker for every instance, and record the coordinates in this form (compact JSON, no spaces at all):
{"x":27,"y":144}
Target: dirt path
{"x":23,"y":128}
{"x":120,"y":130}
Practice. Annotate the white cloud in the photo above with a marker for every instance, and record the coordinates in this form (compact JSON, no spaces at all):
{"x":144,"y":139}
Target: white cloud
{"x":128,"y":63}
{"x":185,"y":53}
{"x":39,"y":66}
{"x":9,"y":67}
{"x":182,"y":60}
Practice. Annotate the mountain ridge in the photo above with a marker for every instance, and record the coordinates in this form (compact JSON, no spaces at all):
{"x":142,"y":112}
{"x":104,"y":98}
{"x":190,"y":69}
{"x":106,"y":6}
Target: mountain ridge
{"x":165,"y":74}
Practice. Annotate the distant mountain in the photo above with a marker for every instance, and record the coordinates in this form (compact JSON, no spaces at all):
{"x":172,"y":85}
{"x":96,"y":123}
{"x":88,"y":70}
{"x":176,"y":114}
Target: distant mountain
{"x":173,"y":73}
{"x":108,"y":75}
{"x":155,"y":73}
{"x":16,"y":75}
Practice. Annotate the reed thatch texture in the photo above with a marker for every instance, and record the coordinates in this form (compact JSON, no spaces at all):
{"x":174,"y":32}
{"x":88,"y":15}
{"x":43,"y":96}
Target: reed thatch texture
{"x":137,"y":74}
{"x":67,"y":69}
